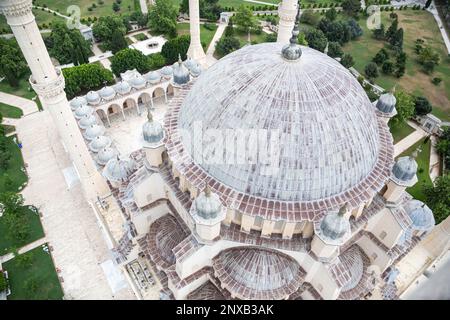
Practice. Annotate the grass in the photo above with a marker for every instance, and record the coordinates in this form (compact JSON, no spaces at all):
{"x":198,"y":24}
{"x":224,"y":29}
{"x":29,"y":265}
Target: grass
{"x":41,"y":272}
{"x":416,"y":24}
{"x":140,"y":37}
{"x":15,"y":170}
{"x":22,"y":90}
{"x":10,"y":112}
{"x":400,"y":130}
{"x":8,"y":128}
{"x":206,"y":35}
{"x":237,"y":3}
{"x":8,"y":244}
{"x":42,"y":17}
{"x":423,"y":163}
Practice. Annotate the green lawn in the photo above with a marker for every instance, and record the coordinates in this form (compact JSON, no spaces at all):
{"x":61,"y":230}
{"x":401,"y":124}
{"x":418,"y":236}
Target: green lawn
{"x":8,"y":244}
{"x":140,"y":36}
{"x":254,"y":38}
{"x":206,"y":35}
{"x":10,"y":112}
{"x":237,"y":3}
{"x":400,"y":130}
{"x":15,"y":170}
{"x":24,"y":89}
{"x":423,"y":162}
{"x":41,"y":272}
{"x":42,"y":17}
{"x":416,"y":24}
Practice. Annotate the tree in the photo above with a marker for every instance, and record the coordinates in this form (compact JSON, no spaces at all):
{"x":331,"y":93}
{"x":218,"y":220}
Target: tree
{"x":227,"y":45}
{"x":229,"y":30}
{"x":422,"y":106}
{"x":437,"y":197}
{"x":400,"y":64}
{"x":12,"y":202}
{"x":336,"y":31}
{"x":427,"y":4}
{"x":310,"y":17}
{"x":118,"y":42}
{"x":354,"y":28}
{"x":162,"y":18}
{"x":244,"y":19}
{"x":86,"y":77}
{"x":12,"y":62}
{"x":379,"y":33}
{"x":396,"y":40}
{"x":331,"y":14}
{"x":156,"y":61}
{"x":390,"y":32}
{"x":404,"y":106}
{"x":108,"y":28}
{"x":13,"y":216}
{"x":381,"y":56}
{"x":5,"y":153}
{"x":428,"y":58}
{"x":302,"y":39}
{"x":387,"y":67}
{"x":172,"y":48}
{"x":316,"y":39}
{"x":116,"y":7}
{"x":68,"y":45}
{"x":129,"y":59}
{"x":443,"y":146}
{"x":335,"y":50}
{"x":347,"y":60}
{"x":209,"y":9}
{"x":3,"y":283}
{"x":371,"y":70}
{"x":351,"y":7}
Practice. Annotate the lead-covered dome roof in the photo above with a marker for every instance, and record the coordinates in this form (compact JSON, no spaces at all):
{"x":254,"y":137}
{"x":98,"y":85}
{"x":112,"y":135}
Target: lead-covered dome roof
{"x":320,"y":116}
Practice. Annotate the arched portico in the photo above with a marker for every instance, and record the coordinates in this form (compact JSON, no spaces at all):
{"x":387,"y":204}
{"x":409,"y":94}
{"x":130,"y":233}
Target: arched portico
{"x":159,"y":93}
{"x":144,"y":100}
{"x":103,"y":116}
{"x":129,"y":104}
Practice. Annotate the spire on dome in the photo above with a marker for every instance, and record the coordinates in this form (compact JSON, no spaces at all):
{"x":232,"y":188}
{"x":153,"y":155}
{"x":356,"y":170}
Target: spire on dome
{"x":293,"y":50}
{"x":149,"y":116}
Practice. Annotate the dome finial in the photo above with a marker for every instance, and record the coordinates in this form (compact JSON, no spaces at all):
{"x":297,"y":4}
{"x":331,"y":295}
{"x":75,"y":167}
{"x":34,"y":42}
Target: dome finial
{"x":207,"y":191}
{"x":343,"y":210}
{"x":293,"y":51}
{"x":179,"y":59}
{"x":149,"y":116}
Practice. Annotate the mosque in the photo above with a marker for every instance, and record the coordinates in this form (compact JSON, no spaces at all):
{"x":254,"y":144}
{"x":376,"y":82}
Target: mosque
{"x":267,"y":175}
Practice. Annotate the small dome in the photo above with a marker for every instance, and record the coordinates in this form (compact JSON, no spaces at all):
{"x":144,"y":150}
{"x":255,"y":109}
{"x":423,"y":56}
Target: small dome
{"x":122,"y":87}
{"x":94,"y":131}
{"x":86,"y":121}
{"x":82,"y":111}
{"x":153,"y":77}
{"x":106,"y":154}
{"x":99,"y":143}
{"x":138,"y":82}
{"x":420,"y":214}
{"x":405,"y":168}
{"x":386,"y":103}
{"x":335,"y":225}
{"x":107,"y":93}
{"x":180,"y":73}
{"x":196,"y":71}
{"x":152,"y":130}
{"x":117,"y":170}
{"x":77,"y":102}
{"x":167,"y":72}
{"x":190,"y":63}
{"x":208,"y":205}
{"x":93,"y":98}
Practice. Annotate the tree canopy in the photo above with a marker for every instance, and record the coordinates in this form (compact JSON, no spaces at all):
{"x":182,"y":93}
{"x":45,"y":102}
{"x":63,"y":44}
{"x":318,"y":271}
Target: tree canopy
{"x":162,"y":18}
{"x":129,"y":59}
{"x":351,"y":7}
{"x":172,"y":48}
{"x":12,"y":62}
{"x":438,"y":199}
{"x":227,"y":45}
{"x":316,"y":39}
{"x":209,"y":9}
{"x":405,"y":106}
{"x":107,"y":29}
{"x":244,"y":19}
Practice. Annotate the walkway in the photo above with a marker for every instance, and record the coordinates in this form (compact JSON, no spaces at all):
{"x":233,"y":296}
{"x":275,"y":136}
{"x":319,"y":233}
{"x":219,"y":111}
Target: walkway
{"x":262,"y":2}
{"x":409,"y":140}
{"x":27,"y":106}
{"x":219,"y":32}
{"x":71,"y":228}
{"x":434,"y":159}
{"x":26,"y":248}
{"x":432,"y":9}
{"x":101,"y":56}
{"x":144,"y":7}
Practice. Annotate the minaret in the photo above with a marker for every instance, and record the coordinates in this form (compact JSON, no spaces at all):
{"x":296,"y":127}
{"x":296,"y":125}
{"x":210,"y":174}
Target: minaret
{"x":49,"y":85}
{"x":195,"y":49}
{"x":287,"y":12}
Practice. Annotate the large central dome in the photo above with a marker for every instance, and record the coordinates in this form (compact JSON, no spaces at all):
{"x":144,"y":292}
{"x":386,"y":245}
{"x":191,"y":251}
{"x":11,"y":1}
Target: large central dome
{"x":320,"y":118}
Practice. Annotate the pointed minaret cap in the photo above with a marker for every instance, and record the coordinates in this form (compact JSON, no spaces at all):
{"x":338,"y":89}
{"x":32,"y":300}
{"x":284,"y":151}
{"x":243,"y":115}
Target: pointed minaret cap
{"x":293,"y":51}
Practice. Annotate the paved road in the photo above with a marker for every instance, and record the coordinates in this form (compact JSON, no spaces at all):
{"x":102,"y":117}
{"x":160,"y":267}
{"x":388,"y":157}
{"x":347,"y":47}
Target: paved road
{"x":409,"y":140}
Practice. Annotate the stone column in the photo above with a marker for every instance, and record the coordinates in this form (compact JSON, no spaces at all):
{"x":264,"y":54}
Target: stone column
{"x":287,"y":11}
{"x":195,"y":49}
{"x":49,"y":85}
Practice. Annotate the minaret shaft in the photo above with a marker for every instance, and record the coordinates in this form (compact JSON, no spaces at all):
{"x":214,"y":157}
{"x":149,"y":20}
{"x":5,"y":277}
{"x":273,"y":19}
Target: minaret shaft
{"x":195,"y":51}
{"x":287,"y":12}
{"x":49,"y":85}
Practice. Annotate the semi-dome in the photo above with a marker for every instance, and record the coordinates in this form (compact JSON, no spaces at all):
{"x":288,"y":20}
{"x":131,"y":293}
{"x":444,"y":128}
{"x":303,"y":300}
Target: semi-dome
{"x":153,"y":77}
{"x":93,"y":132}
{"x":420,"y":214}
{"x":138,"y":82}
{"x":106,"y":154}
{"x":167,"y":72}
{"x":405,"y":168}
{"x":86,"y":121}
{"x":386,"y":103}
{"x":117,"y":170}
{"x":334,"y":227}
{"x":257,"y":273}
{"x":152,"y":130}
{"x":313,"y":114}
{"x":93,"y":98}
{"x":107,"y":93}
{"x":82,"y":111}
{"x":99,"y":143}
{"x":207,"y":205}
{"x":122,"y":87}
{"x":77,"y":102}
